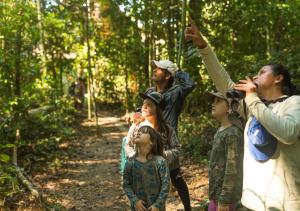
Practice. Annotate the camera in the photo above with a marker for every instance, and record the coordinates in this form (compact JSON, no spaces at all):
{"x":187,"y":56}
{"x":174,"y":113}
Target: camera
{"x":235,"y":94}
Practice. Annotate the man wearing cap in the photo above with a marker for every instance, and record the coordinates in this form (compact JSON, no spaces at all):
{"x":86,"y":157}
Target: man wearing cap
{"x":165,"y":73}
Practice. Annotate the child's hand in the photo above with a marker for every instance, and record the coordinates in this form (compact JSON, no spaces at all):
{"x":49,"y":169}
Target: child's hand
{"x":223,"y":207}
{"x":153,"y":208}
{"x":130,"y":118}
{"x":139,"y":206}
{"x":137,"y":116}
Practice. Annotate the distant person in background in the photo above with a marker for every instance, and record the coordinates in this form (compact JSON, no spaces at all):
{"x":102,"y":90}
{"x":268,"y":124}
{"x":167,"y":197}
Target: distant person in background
{"x":272,"y":133}
{"x":77,"y":91}
{"x":72,"y":89}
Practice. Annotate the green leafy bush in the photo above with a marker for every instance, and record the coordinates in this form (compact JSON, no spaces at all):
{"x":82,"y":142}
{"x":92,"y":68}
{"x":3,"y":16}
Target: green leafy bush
{"x":40,"y":134}
{"x":9,"y":184}
{"x":196,"y":135}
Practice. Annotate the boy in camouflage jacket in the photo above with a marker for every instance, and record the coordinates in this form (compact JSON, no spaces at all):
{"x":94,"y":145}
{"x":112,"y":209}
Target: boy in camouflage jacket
{"x":226,"y":158}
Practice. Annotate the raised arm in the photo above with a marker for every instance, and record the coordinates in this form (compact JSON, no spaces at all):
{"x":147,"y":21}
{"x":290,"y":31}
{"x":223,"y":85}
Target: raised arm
{"x":218,"y":74}
{"x":186,"y":83}
{"x":215,"y":70}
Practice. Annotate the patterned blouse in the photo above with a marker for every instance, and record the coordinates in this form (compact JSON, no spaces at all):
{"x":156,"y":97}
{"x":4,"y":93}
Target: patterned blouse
{"x":148,"y":181}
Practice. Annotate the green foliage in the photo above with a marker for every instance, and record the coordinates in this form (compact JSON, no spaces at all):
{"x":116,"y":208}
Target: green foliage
{"x":4,"y":158}
{"x":44,"y":131}
{"x":196,"y":135}
{"x":124,"y":36}
{"x":203,"y":205}
{"x":41,"y":133}
{"x":9,"y":184}
{"x":263,"y":32}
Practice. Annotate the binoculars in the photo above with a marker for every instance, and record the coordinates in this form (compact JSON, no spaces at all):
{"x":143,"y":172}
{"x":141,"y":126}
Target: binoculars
{"x":235,"y":94}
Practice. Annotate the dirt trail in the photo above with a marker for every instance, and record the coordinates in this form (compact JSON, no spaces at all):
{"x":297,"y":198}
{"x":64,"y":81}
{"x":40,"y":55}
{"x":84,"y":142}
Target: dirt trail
{"x":90,"y":178}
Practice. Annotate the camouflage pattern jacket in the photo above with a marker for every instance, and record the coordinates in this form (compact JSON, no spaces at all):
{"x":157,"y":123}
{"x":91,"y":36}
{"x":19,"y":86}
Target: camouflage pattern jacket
{"x":226,"y":166}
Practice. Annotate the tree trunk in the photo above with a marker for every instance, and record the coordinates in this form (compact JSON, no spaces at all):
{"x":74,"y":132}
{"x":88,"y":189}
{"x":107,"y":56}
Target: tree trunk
{"x":87,"y":34}
{"x":195,"y":11}
{"x":90,"y":74}
{"x":18,"y":63}
{"x":17,"y":92}
{"x":181,"y":39}
{"x":52,"y":68}
{"x":170,"y":31}
{"x":42,"y":43}
{"x":127,"y":90}
{"x":147,"y":55}
{"x":61,"y":87}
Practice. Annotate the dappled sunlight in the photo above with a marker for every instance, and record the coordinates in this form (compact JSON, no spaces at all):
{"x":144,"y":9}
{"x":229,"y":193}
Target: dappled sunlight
{"x":75,"y":171}
{"x":63,"y":63}
{"x":90,"y":178}
{"x":113,"y":136}
{"x":103,"y":121}
{"x":117,"y":124}
{"x":70,"y":181}
{"x":51,"y":185}
{"x":89,"y":162}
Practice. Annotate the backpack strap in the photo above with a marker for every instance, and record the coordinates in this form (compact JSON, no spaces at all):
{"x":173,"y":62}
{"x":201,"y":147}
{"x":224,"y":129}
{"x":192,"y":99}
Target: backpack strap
{"x":268,"y":102}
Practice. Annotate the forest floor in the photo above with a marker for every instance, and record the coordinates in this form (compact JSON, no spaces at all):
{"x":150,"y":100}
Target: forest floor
{"x":90,"y":180}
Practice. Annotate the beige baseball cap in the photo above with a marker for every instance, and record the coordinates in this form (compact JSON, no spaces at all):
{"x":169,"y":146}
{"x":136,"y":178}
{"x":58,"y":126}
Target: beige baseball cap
{"x":166,"y":65}
{"x":211,"y":95}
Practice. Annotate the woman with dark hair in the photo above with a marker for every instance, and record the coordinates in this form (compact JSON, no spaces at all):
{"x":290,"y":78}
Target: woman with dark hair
{"x":272,"y":133}
{"x":287,"y":87}
{"x":152,"y":116}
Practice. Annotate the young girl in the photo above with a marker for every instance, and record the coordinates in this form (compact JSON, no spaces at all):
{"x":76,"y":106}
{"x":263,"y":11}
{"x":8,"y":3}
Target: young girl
{"x":152,"y":116}
{"x":146,"y":179}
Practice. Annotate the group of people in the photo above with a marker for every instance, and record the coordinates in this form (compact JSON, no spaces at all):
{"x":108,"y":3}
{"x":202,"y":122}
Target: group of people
{"x":160,"y":111}
{"x":257,"y":163}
